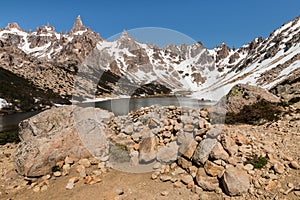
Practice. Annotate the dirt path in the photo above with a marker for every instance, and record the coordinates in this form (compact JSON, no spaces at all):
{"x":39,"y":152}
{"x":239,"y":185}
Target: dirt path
{"x":134,"y":186}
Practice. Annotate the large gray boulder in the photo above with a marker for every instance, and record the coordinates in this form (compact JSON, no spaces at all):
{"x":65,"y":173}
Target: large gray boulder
{"x":168,"y":153}
{"x":59,"y":132}
{"x":203,"y":150}
{"x":235,"y":181}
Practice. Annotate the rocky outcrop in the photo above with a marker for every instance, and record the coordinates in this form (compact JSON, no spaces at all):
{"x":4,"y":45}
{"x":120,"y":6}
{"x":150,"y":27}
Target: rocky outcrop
{"x":288,"y":91}
{"x":31,"y":98}
{"x":250,"y":104}
{"x":78,"y":25}
{"x":13,"y":25}
{"x":222,"y":52}
{"x":54,"y":134}
{"x":244,"y":95}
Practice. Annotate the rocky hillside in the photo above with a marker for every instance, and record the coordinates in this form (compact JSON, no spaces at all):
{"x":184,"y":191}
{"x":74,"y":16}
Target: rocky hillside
{"x":54,"y":61}
{"x":263,"y":62}
{"x":23,"y":95}
{"x":46,"y":58}
{"x":180,"y":146}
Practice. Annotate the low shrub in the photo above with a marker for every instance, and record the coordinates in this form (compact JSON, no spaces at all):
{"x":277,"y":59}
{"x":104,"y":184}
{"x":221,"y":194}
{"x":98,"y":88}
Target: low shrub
{"x":258,"y":162}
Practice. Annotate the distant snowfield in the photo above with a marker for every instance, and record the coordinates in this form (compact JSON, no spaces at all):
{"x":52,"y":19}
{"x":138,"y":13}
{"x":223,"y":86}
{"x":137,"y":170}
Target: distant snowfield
{"x":94,"y":100}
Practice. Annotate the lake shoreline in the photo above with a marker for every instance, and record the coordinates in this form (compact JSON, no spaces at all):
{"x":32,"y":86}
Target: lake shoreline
{"x":111,"y":104}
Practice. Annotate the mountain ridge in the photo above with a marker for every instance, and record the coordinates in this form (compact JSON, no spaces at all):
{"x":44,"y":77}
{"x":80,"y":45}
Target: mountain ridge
{"x":52,"y":60}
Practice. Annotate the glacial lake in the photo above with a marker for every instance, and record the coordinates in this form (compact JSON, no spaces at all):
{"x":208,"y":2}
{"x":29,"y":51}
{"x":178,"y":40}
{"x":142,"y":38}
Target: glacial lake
{"x":117,"y":106}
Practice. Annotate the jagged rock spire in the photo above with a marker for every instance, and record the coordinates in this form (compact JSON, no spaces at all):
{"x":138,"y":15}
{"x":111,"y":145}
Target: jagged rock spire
{"x":13,"y":25}
{"x":125,"y":35}
{"x":78,"y":25}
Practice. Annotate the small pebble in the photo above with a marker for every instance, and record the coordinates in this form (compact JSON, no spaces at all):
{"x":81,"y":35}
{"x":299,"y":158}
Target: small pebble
{"x":85,"y":162}
{"x":273,"y":176}
{"x":174,"y":179}
{"x":279,"y":168}
{"x":297,"y":193}
{"x":290,"y":185}
{"x":60,"y":163}
{"x":94,"y":161}
{"x":69,"y":160}
{"x":46,"y":177}
{"x":36,"y":189}
{"x":178,"y":184}
{"x":73,"y":180}
{"x":33,"y":184}
{"x":70,"y":186}
{"x":248,"y":167}
{"x":57,"y":174}
{"x":157,"y":165}
{"x":260,"y":192}
{"x":88,"y":179}
{"x":154,"y":175}
{"x":173,"y":165}
{"x":95,"y":180}
{"x":44,"y":188}
{"x":186,"y":179}
{"x":66,"y":169}
{"x":97,"y":172}
{"x":101,"y":165}
{"x":165,"y":178}
{"x":119,"y":191}
{"x":295,"y":165}
{"x":164,"y":193}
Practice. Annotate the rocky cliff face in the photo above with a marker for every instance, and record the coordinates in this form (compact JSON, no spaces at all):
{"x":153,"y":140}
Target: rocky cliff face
{"x":53,"y":61}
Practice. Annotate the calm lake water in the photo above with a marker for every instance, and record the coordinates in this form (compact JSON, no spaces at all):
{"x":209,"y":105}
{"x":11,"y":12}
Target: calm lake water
{"x":10,"y":122}
{"x":117,"y":106}
{"x":124,"y":106}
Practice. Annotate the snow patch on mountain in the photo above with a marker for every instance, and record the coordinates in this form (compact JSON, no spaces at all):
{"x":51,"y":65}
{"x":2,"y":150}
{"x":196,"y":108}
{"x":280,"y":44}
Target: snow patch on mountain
{"x":3,"y":104}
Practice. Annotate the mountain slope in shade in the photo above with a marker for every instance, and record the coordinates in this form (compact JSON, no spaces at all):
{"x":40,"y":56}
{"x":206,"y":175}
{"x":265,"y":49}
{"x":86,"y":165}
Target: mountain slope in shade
{"x":53,"y":61}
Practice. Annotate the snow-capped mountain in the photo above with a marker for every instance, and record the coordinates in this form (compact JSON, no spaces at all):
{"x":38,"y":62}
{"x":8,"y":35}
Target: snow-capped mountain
{"x":265,"y":63}
{"x":47,"y":59}
{"x":45,"y":43}
{"x":180,"y":68}
{"x":53,"y":61}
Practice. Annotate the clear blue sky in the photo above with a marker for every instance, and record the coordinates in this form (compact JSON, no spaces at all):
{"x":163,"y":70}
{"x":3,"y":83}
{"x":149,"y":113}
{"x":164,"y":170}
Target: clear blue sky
{"x":235,"y":22}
